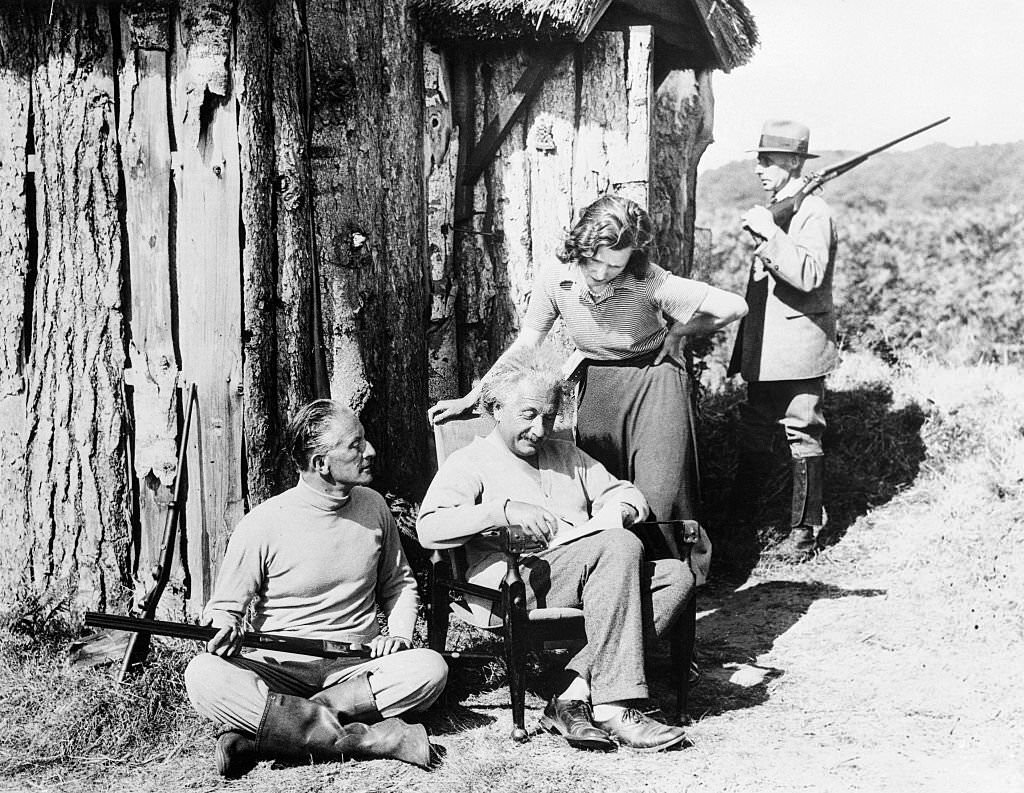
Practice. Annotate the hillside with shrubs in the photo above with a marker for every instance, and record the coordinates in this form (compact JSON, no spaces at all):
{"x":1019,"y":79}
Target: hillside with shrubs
{"x":931,"y":249}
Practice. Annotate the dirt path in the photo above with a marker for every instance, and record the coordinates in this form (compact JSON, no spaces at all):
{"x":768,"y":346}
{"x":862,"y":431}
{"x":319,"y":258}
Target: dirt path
{"x":889,"y":663}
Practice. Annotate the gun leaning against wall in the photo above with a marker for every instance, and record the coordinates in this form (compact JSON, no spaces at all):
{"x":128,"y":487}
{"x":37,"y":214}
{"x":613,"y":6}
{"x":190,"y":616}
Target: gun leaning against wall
{"x":783,"y":211}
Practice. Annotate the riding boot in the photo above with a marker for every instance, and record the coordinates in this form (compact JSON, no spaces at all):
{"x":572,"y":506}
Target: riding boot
{"x":300,"y":730}
{"x":351,"y":700}
{"x":807,"y":514}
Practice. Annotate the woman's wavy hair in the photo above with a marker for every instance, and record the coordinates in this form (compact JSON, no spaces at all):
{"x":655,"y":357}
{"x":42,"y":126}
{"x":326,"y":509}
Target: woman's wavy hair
{"x":520,"y":365}
{"x":615,"y":222}
{"x":313,"y":430}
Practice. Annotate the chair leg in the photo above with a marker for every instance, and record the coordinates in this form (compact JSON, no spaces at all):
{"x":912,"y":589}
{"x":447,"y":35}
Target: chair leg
{"x":438,"y":614}
{"x":684,"y":636}
{"x":514,"y":608}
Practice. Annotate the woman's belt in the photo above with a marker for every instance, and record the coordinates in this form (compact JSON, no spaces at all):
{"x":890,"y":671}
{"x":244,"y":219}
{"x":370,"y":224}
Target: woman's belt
{"x":637,"y":361}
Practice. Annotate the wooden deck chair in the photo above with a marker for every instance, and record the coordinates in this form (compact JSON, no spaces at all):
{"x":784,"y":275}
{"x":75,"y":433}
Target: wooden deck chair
{"x":522,"y":629}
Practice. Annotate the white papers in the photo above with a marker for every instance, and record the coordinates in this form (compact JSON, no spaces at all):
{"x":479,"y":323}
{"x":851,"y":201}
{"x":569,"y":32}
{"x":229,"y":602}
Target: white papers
{"x":609,"y":517}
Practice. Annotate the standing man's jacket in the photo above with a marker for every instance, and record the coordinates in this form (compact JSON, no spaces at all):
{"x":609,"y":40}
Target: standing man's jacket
{"x":790,"y":330}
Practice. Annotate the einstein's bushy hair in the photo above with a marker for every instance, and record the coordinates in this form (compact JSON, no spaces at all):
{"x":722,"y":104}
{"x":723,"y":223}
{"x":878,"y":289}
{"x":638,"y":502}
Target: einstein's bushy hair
{"x":615,"y":222}
{"x":311,"y":430}
{"x":537,"y":365}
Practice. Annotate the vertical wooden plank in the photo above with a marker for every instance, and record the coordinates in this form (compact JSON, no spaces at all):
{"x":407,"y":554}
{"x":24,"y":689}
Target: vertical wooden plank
{"x":492,"y":77}
{"x":77,"y":482}
{"x":601,"y":150}
{"x":508,"y":205}
{"x":146,"y":159}
{"x":441,"y":155}
{"x":346,"y":159}
{"x":632,"y":176}
{"x":256,"y":155}
{"x":14,"y":272}
{"x":298,"y":364}
{"x":551,"y":144}
{"x":400,"y":364}
{"x":681,"y":131}
{"x":209,"y":289}
{"x":550,"y":140}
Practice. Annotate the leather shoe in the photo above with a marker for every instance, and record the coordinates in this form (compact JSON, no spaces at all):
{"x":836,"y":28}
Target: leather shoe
{"x":572,"y":719}
{"x":636,"y":730}
{"x":235,"y":753}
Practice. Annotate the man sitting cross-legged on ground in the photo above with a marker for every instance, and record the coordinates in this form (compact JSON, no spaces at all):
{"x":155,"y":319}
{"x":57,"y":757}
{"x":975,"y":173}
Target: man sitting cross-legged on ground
{"x":518,"y":475}
{"x":316,"y":561}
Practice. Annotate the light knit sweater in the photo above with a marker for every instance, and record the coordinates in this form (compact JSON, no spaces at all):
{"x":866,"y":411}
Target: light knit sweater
{"x":468,"y":497}
{"x":317,"y":566}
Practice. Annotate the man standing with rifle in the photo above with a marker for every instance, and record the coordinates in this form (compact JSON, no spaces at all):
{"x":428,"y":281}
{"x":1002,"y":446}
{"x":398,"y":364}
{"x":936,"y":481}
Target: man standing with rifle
{"x":787,"y":341}
{"x":316,"y":562}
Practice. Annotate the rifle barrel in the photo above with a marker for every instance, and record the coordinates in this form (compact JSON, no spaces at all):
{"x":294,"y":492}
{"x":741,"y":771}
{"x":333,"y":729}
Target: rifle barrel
{"x":843,"y":166}
{"x":320,"y":648}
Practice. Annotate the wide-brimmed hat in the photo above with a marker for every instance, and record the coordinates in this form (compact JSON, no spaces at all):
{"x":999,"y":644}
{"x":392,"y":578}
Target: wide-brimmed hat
{"x":784,"y":137}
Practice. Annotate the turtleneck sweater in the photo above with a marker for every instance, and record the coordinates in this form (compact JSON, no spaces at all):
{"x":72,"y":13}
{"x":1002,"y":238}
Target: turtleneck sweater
{"x":318,"y":566}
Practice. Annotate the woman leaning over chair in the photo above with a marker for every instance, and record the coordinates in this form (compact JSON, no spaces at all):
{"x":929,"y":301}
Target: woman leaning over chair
{"x":634,"y":397}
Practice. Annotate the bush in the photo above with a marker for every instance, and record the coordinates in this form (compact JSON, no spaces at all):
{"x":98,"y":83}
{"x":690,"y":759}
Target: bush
{"x":937,"y":282}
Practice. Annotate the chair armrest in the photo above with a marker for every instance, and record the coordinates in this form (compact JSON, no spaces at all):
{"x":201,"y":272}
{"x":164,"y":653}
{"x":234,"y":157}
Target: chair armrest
{"x":515,"y":540}
{"x":687,"y":531}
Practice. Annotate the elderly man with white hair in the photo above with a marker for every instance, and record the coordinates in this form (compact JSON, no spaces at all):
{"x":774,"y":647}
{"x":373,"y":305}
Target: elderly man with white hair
{"x":564,"y":498}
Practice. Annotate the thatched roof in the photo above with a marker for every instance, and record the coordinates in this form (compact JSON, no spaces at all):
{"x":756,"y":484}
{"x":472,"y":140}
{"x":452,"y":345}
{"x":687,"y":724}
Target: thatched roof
{"x":719,"y":33}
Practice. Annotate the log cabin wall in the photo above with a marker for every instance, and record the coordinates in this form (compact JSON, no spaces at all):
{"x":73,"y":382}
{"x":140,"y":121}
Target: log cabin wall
{"x":612,"y":115}
{"x":159,"y":226}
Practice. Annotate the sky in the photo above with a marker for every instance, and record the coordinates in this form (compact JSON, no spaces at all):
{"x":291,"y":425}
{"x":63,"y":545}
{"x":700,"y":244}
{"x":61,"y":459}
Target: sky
{"x":860,"y":72}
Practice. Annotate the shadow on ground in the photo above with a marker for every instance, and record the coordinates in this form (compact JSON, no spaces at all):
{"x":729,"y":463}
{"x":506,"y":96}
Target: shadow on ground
{"x":743,"y":625}
{"x":873,"y":450}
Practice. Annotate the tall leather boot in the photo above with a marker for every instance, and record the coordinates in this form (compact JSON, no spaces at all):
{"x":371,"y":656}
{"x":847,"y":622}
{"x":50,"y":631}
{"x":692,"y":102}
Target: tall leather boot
{"x":807,"y":514}
{"x":351,"y":700}
{"x":300,"y":730}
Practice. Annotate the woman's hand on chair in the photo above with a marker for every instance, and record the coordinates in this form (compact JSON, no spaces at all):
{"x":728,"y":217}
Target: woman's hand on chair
{"x":538,"y":522}
{"x":449,"y":408}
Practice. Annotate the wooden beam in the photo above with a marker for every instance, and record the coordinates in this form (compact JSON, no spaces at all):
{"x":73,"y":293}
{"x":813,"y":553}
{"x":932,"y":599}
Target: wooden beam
{"x":583,"y":33}
{"x":511,"y":110}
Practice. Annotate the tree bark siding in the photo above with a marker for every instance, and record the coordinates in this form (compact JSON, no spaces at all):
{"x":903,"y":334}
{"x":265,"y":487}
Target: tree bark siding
{"x":367,"y":172}
{"x":441,"y":154}
{"x":346,"y":155}
{"x":209,"y":290}
{"x":76,"y":467}
{"x":260,"y":424}
{"x":14,"y":269}
{"x":398,"y":415}
{"x":681,"y":131}
{"x":146,"y":159}
{"x":297,"y":362}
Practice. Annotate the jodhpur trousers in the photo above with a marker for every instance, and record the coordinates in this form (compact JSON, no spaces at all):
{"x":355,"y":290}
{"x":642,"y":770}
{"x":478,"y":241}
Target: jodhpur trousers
{"x":796,"y":405}
{"x":234,"y":691}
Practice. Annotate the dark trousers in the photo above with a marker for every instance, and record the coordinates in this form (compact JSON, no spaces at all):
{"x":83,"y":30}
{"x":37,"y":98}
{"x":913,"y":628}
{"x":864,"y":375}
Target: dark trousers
{"x":637,"y":422}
